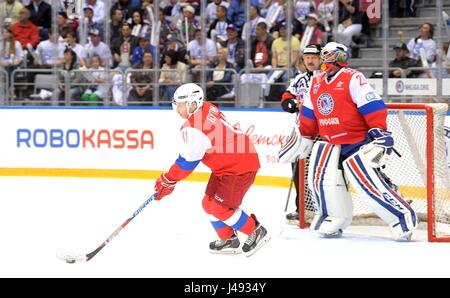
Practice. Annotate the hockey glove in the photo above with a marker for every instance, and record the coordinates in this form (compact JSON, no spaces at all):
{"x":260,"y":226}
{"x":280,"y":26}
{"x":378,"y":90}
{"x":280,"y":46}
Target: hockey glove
{"x":289,"y":105}
{"x":382,"y":139}
{"x":164,"y":187}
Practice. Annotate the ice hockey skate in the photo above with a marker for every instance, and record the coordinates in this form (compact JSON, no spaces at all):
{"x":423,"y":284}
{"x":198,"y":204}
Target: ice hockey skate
{"x":255,"y":240}
{"x":227,"y":246}
{"x":292,"y":218}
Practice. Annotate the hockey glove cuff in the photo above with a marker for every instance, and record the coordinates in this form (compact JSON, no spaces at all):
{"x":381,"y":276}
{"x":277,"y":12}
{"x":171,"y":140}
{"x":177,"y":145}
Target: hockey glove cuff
{"x":164,"y":186}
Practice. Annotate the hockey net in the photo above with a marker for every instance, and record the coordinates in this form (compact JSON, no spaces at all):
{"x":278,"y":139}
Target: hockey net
{"x":421,"y":173}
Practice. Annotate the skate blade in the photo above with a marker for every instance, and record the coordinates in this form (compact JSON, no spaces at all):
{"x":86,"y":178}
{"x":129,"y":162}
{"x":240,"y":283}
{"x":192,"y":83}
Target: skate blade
{"x":233,"y":251}
{"x":259,"y":245}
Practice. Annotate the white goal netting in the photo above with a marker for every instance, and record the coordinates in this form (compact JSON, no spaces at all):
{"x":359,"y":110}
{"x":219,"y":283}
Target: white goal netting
{"x":421,"y":173}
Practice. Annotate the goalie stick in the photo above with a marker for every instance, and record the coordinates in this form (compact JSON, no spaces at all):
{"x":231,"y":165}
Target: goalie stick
{"x":71,"y":258}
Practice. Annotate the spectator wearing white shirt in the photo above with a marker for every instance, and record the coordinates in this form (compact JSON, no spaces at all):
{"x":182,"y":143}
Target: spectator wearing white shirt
{"x":426,"y":35}
{"x":211,"y":10}
{"x":11,"y":54}
{"x":71,"y":41}
{"x":218,"y":29}
{"x":46,"y":51}
{"x":98,"y":47}
{"x":197,"y":57}
{"x":255,"y":19}
{"x":99,"y":10}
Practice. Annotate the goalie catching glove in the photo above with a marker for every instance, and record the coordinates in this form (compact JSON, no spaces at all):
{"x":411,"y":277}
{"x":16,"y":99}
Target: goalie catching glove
{"x":164,"y":187}
{"x":376,"y":152}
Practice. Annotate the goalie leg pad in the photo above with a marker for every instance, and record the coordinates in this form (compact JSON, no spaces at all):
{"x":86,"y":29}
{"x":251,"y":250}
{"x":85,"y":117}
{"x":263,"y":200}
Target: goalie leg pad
{"x":378,"y":193}
{"x":332,"y":201}
{"x":295,"y":147}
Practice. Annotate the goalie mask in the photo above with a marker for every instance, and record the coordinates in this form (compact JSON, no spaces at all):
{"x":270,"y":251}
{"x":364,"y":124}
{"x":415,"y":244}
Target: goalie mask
{"x":334,"y":55}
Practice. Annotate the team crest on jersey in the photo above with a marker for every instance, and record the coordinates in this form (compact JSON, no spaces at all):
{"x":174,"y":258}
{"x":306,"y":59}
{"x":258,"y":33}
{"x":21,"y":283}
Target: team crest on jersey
{"x":325,"y":104}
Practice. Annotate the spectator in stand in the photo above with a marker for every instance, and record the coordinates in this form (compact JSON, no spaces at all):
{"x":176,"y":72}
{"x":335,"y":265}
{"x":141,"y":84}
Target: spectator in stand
{"x":123,"y":47}
{"x":254,"y":19}
{"x":261,"y":51}
{"x":11,"y":54}
{"x":312,"y":20}
{"x":218,"y":29}
{"x":71,"y":40}
{"x":116,"y":23}
{"x":91,"y":24}
{"x":219,"y":81}
{"x":176,"y":45}
{"x":425,"y":39}
{"x":125,"y":6}
{"x":148,"y":12}
{"x":46,"y":51}
{"x":236,"y":48}
{"x":97,"y":47}
{"x":192,"y":24}
{"x":325,"y":10}
{"x":349,"y":21}
{"x":280,"y":48}
{"x":76,"y":79}
{"x":144,"y":45}
{"x":403,"y":62}
{"x":64,"y":26}
{"x":165,"y":30}
{"x":197,"y":57}
{"x":173,"y":74}
{"x":98,"y":77}
{"x":139,"y":27}
{"x":9,"y":11}
{"x":211,"y":10}
{"x":276,"y":13}
{"x":142,"y":82}
{"x":25,"y":31}
{"x":237,"y":13}
{"x":302,"y":8}
{"x":41,"y":16}
{"x":280,"y":60}
{"x":98,"y":8}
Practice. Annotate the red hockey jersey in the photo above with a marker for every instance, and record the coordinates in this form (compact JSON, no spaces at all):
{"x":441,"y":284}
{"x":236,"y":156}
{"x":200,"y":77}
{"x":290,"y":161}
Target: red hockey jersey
{"x":343,"y":109}
{"x":208,"y":137}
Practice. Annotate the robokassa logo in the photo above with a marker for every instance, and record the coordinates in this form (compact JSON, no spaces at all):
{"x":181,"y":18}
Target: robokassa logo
{"x":85,"y":138}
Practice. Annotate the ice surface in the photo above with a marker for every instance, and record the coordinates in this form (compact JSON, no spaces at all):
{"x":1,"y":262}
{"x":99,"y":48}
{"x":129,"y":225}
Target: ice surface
{"x":39,"y":216}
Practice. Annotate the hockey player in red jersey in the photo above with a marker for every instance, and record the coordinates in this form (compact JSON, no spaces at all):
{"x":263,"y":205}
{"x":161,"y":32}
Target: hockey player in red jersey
{"x":350,"y":117}
{"x":207,"y":137}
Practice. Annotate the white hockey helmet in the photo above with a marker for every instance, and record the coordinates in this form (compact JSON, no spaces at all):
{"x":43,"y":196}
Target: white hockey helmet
{"x":334,"y":53}
{"x":188,"y":93}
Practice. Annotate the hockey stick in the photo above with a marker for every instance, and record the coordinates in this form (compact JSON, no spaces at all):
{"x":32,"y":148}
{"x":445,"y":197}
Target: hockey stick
{"x":74,"y":257}
{"x":290,"y":185}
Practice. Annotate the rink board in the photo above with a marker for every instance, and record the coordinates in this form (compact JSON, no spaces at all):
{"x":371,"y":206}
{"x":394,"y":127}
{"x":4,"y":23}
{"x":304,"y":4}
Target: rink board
{"x":123,"y":142}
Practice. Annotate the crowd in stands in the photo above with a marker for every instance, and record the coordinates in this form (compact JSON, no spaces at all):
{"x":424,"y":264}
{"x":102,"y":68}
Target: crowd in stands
{"x":136,"y":34}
